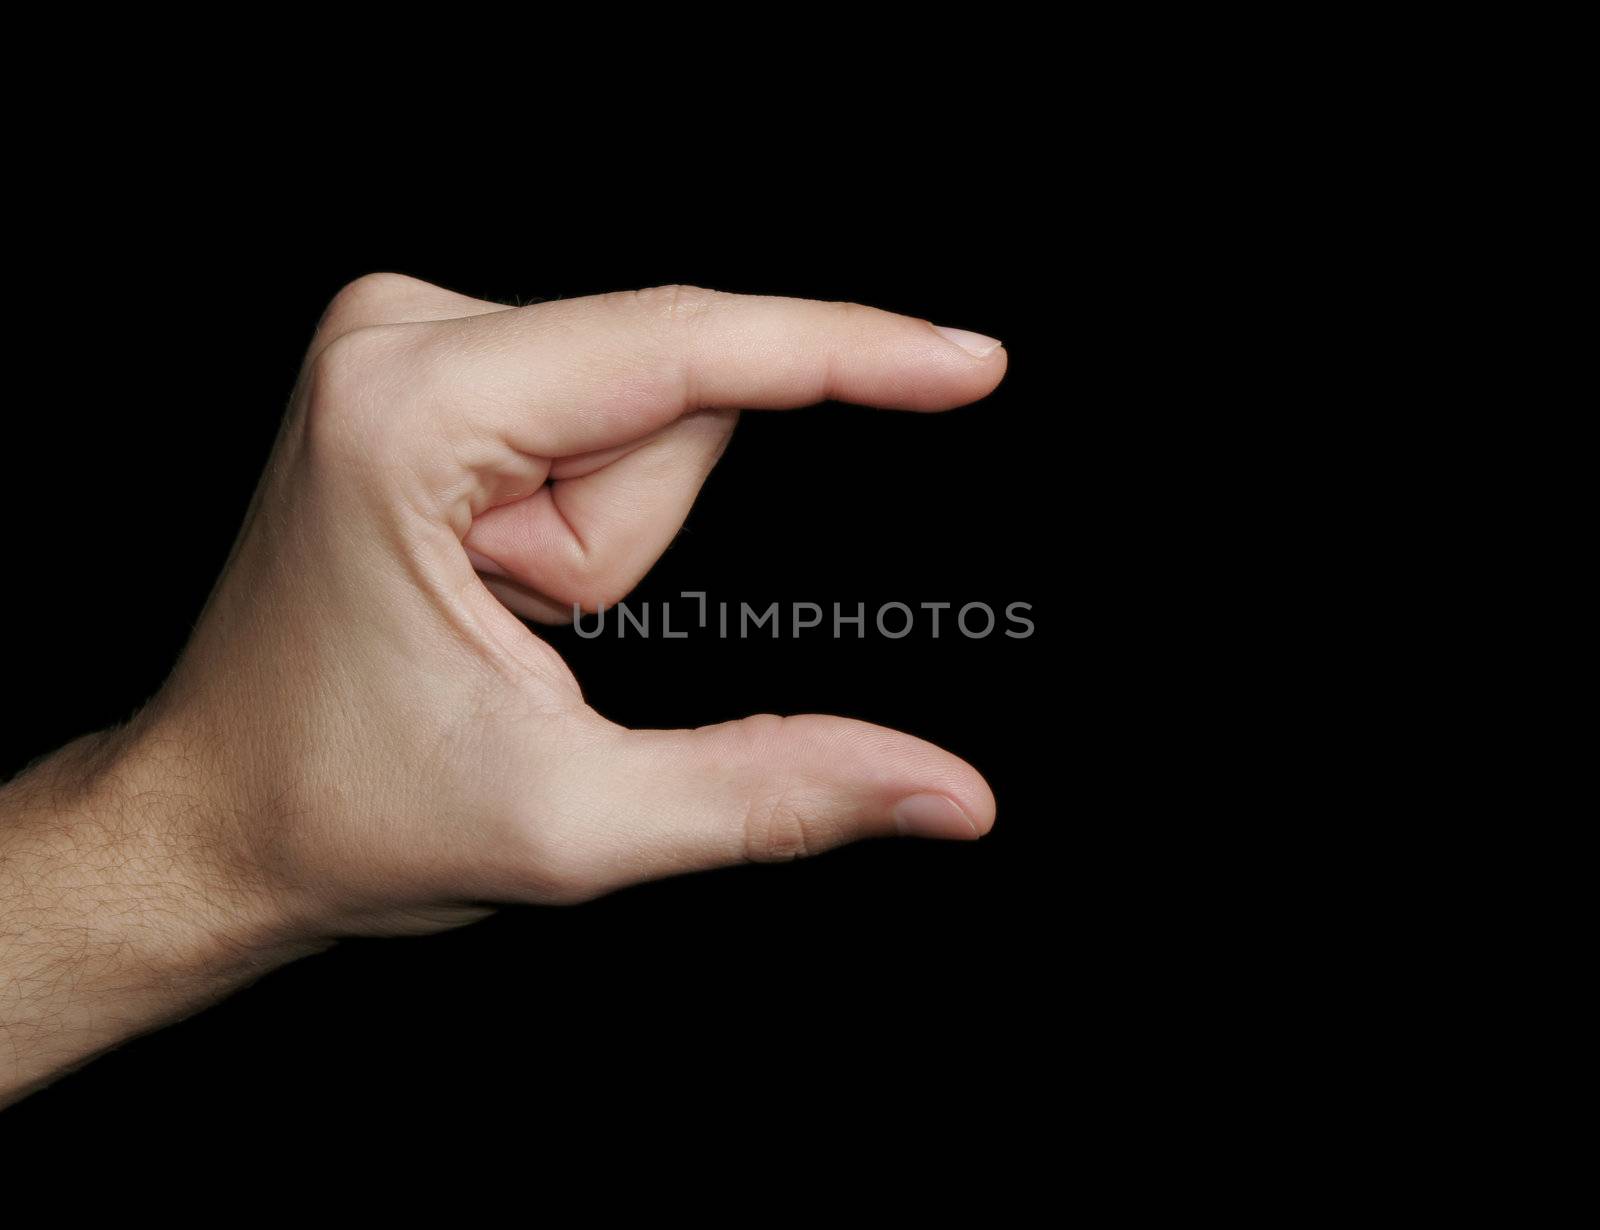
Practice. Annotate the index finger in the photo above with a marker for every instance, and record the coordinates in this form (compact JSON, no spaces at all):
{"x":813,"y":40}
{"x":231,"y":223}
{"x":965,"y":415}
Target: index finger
{"x":582,"y":374}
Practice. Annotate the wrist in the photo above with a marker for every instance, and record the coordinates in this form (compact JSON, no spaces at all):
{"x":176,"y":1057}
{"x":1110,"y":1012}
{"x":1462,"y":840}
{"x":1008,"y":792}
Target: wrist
{"x":180,"y":824}
{"x":119,"y":909}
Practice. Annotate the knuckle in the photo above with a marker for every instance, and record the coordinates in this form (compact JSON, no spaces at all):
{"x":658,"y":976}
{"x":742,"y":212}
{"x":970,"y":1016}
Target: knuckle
{"x":788,"y":813}
{"x":777,"y":826}
{"x":676,"y":303}
{"x":759,"y":730}
{"x":366,"y":301}
{"x":351,"y":364}
{"x":775,"y":830}
{"x":846,"y":311}
{"x":350,"y":382}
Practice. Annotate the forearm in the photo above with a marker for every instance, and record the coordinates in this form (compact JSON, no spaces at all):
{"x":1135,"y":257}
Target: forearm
{"x":115,"y":916}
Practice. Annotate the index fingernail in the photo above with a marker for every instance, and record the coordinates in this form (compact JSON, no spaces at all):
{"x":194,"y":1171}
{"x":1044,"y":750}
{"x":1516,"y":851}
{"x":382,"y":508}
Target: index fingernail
{"x":975,"y":344}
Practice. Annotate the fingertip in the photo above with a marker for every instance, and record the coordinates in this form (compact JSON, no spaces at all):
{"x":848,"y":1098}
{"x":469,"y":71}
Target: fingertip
{"x":923,"y":789}
{"x":982,"y":809}
{"x":970,"y":366}
{"x":972,"y":794}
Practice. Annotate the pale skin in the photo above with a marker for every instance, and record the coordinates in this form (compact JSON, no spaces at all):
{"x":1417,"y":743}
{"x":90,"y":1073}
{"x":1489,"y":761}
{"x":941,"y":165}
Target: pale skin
{"x":363,"y":737}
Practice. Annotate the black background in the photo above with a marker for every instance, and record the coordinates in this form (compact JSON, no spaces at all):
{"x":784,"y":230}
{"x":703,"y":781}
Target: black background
{"x":1187,"y":963}
{"x":1159,"y":968}
{"x":892,"y":980}
{"x":1181,"y":962}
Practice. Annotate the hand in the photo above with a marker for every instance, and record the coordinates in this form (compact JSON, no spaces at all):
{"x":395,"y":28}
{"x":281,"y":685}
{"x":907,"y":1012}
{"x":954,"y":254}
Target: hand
{"x":363,"y":738}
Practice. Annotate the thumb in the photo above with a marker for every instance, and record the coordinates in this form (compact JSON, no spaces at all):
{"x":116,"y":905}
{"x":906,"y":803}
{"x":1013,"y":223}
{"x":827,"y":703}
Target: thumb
{"x":771,"y":788}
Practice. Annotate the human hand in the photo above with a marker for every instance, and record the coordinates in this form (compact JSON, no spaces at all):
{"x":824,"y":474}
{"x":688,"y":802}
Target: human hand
{"x":363,"y":738}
